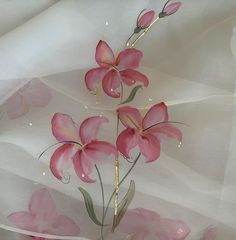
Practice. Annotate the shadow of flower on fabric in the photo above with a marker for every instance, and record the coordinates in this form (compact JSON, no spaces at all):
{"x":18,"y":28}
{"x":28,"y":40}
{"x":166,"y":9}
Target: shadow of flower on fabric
{"x":143,"y":224}
{"x":43,"y":217}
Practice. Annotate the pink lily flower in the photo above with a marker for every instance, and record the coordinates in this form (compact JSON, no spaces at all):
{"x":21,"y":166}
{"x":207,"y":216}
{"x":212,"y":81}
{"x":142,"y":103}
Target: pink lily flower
{"x":210,"y":233}
{"x":112,"y":72}
{"x":144,"y":224}
{"x":145,"y":19}
{"x":35,"y":93}
{"x":170,"y":8}
{"x":81,"y":149}
{"x":146,"y":132}
{"x":43,"y":217}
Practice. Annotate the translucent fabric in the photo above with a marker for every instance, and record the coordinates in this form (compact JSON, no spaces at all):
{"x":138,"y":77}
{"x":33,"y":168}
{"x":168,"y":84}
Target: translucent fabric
{"x":189,"y":60}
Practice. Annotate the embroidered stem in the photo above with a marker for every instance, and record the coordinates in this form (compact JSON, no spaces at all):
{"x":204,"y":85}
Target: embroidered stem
{"x":116,"y":185}
{"x":121,"y":181}
{"x":143,"y":33}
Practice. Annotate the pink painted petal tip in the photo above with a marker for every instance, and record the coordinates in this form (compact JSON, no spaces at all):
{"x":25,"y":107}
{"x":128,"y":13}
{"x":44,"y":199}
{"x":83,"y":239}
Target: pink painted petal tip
{"x":146,"y":19}
{"x":129,"y":59}
{"x":64,"y":128}
{"x":104,"y":55}
{"x":130,"y":117}
{"x":89,"y":128}
{"x":156,"y":114}
{"x":172,"y":8}
{"x":61,"y":160}
{"x":111,"y":84}
{"x":94,"y":77}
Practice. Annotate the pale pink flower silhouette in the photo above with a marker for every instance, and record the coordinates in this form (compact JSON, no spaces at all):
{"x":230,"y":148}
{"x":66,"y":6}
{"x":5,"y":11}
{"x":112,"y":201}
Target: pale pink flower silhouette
{"x":112,"y":72}
{"x":143,"y":224}
{"x":210,"y":233}
{"x":82,"y":149}
{"x":43,"y":217}
{"x":145,"y":132}
{"x":35,"y":93}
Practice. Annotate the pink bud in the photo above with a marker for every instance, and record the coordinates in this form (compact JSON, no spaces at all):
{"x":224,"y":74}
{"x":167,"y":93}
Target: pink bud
{"x":145,"y":20}
{"x":171,"y":8}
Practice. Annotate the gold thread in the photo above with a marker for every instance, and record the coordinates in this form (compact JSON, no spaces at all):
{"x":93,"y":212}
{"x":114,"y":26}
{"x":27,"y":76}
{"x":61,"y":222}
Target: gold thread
{"x":130,"y":120}
{"x":143,"y":33}
{"x":116,"y":185}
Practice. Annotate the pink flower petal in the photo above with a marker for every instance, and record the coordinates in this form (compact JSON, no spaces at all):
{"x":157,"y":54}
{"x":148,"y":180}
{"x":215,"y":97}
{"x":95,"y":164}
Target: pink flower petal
{"x":172,"y":8}
{"x":149,"y":146}
{"x":64,"y":226}
{"x":129,"y":58}
{"x":166,"y":130}
{"x":93,"y":77}
{"x":37,"y":94}
{"x":83,"y":166}
{"x":104,"y":55}
{"x":130,"y":77}
{"x":23,"y":220}
{"x":89,"y":128}
{"x":99,"y":151}
{"x":42,"y":206}
{"x":210,"y":233}
{"x":156,"y":114}
{"x":171,"y":229}
{"x":16,"y":106}
{"x":130,"y":117}
{"x":95,"y":152}
{"x":62,"y":159}
{"x":111,"y":83}
{"x":63,"y":128}
{"x":127,"y":140}
{"x":146,"y":19}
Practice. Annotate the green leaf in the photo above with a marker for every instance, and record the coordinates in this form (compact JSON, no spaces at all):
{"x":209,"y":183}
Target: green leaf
{"x":132,"y":94}
{"x":124,"y":204}
{"x":89,"y":206}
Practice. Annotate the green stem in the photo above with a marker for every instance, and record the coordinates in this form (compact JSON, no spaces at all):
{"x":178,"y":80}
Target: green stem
{"x":103,"y":200}
{"x":122,"y":180}
{"x":127,"y":42}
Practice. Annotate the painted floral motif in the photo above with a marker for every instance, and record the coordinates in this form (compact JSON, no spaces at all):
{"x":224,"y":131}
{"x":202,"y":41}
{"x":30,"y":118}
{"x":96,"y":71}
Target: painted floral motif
{"x":169,"y":8}
{"x":112,"y":72}
{"x":43,"y":217}
{"x":35,"y":93}
{"x":146,"y":132}
{"x":81,"y":147}
{"x":143,"y":224}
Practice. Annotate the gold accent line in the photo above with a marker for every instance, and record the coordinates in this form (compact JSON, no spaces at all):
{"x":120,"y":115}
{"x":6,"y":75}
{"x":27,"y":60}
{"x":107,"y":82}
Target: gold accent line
{"x":130,"y":120}
{"x":143,"y":33}
{"x":116,"y":185}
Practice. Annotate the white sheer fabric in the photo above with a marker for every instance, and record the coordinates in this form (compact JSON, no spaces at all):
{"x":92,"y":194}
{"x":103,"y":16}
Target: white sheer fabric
{"x":190,"y":65}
